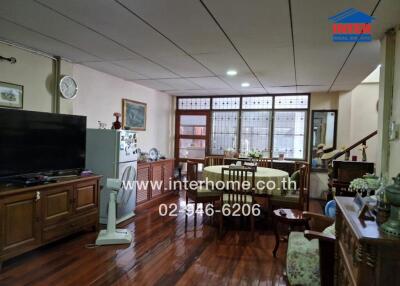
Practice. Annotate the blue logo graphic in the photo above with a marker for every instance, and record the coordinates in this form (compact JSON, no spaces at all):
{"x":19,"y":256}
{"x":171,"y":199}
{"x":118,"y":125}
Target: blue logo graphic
{"x":351,"y":25}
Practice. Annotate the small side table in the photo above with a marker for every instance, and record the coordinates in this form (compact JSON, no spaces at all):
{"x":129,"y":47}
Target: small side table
{"x":293,"y":218}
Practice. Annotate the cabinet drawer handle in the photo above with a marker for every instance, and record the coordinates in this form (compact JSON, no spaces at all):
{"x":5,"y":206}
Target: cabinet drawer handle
{"x":37,"y":196}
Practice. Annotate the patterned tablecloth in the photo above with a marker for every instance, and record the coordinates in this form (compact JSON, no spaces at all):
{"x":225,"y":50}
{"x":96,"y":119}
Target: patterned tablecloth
{"x":213,"y":174}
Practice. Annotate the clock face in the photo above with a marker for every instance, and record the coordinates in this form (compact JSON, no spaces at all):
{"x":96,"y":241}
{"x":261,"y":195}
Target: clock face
{"x":68,"y":87}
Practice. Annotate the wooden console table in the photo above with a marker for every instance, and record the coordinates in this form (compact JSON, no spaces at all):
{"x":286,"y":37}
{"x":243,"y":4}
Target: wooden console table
{"x":159,"y":173}
{"x":33,"y":216}
{"x":364,"y":255}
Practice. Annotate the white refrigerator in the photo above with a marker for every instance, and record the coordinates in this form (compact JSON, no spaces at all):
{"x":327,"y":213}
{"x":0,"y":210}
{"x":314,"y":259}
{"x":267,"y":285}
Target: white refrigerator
{"x":113,"y":154}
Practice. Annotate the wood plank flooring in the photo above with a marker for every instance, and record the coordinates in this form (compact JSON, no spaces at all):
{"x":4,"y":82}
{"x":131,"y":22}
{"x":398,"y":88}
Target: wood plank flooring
{"x":162,"y":253}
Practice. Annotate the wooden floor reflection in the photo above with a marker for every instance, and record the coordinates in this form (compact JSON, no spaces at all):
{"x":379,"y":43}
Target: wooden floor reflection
{"x":162,"y":253}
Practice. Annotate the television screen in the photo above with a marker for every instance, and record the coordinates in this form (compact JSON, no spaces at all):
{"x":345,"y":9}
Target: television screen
{"x":32,"y":142}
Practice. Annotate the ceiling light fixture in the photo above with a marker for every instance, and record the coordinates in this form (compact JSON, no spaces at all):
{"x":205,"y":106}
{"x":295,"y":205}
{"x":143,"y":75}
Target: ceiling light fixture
{"x":231,"y":72}
{"x":245,"y":84}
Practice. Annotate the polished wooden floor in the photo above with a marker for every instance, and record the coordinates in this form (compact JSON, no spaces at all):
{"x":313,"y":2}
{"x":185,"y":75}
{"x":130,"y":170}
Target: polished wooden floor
{"x":162,"y":253}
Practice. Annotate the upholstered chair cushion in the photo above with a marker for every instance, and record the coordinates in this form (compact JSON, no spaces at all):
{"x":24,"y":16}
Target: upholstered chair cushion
{"x":302,"y":260}
{"x":204,"y":191}
{"x":330,"y":230}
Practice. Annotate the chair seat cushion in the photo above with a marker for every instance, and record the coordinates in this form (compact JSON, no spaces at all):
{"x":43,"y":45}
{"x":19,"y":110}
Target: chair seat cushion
{"x":330,"y":230}
{"x":302,"y":260}
{"x":203,"y":191}
{"x":245,"y":198}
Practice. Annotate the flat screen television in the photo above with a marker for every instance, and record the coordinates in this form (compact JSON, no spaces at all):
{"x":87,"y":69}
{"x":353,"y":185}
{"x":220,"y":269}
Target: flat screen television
{"x":34,"y":142}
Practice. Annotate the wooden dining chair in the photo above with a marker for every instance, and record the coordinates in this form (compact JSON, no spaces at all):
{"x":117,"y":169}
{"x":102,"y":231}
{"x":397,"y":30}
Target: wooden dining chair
{"x":296,"y":198}
{"x":298,"y":164}
{"x":213,"y":161}
{"x":264,"y":162}
{"x":235,"y":194}
{"x":201,"y":194}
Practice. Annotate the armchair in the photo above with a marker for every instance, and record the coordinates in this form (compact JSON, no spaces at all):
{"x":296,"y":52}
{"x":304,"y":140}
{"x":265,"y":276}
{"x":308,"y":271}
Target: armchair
{"x":310,"y":255}
{"x":298,"y":198}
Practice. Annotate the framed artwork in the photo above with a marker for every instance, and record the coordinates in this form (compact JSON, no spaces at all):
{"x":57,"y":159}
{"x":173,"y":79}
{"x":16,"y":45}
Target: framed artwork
{"x":11,"y":95}
{"x":133,"y":114}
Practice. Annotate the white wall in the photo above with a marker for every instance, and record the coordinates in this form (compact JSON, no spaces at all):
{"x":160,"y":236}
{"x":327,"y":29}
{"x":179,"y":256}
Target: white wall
{"x":358,"y":117}
{"x":320,"y":101}
{"x":100,"y":95}
{"x":394,"y":146}
{"x":35,"y":73}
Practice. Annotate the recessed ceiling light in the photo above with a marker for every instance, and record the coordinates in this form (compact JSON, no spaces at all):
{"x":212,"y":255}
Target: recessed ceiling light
{"x":231,"y":72}
{"x":245,"y":84}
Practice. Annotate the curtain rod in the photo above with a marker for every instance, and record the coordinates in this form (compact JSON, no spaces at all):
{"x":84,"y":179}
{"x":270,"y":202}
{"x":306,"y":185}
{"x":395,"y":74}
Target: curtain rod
{"x":31,"y":50}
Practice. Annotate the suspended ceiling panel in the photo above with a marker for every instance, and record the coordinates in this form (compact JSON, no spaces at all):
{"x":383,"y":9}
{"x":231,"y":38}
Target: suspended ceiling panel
{"x":32,"y":15}
{"x":318,"y":58}
{"x":185,"y":47}
{"x":210,"y":83}
{"x":260,"y":30}
{"x":357,"y":68}
{"x":146,"y":68}
{"x":116,"y":70}
{"x":23,"y":36}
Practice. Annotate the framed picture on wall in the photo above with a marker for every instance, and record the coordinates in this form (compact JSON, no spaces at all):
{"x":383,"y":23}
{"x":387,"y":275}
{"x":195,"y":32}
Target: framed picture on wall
{"x":11,"y":95}
{"x":133,"y":114}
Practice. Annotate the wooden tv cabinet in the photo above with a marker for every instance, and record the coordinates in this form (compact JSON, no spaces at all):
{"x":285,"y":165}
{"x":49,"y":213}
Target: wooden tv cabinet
{"x":33,"y":216}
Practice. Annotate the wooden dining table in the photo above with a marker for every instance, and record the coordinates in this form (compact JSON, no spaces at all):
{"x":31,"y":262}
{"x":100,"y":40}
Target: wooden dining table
{"x":213,"y":174}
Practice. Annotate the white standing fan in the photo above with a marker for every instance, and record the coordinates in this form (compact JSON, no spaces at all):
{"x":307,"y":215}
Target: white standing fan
{"x":112,"y":235}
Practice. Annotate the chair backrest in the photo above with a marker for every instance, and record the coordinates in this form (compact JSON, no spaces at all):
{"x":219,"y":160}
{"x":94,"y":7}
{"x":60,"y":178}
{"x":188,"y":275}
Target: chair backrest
{"x":234,"y":186}
{"x":214,"y":160}
{"x":264,"y":162}
{"x":298,"y":164}
{"x":192,"y":171}
{"x":304,"y":183}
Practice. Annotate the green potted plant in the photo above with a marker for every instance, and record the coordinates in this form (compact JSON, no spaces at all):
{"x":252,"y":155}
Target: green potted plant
{"x":255,"y":154}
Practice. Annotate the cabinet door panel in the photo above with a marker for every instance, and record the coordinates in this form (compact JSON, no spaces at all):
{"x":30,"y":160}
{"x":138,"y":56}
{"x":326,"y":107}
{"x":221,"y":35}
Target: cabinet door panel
{"x":20,"y":217}
{"x":168,"y":175}
{"x":157,"y":178}
{"x":85,"y":197}
{"x":57,"y":204}
{"x":143,"y":177}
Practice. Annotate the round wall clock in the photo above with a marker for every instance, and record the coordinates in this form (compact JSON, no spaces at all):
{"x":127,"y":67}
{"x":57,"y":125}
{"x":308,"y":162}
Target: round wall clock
{"x":68,"y":87}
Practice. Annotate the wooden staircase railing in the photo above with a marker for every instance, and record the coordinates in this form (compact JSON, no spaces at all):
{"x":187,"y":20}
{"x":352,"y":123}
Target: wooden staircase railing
{"x":359,"y":142}
{"x":337,"y":181}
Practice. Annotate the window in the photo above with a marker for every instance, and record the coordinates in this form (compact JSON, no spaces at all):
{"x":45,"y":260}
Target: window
{"x":272,"y":124}
{"x":193,"y":125}
{"x":257,"y":102}
{"x":193,"y":103}
{"x":291,"y":101}
{"x":226,"y":103}
{"x":255,"y":126}
{"x":192,"y":135}
{"x":289,"y":134}
{"x":224,"y":131}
